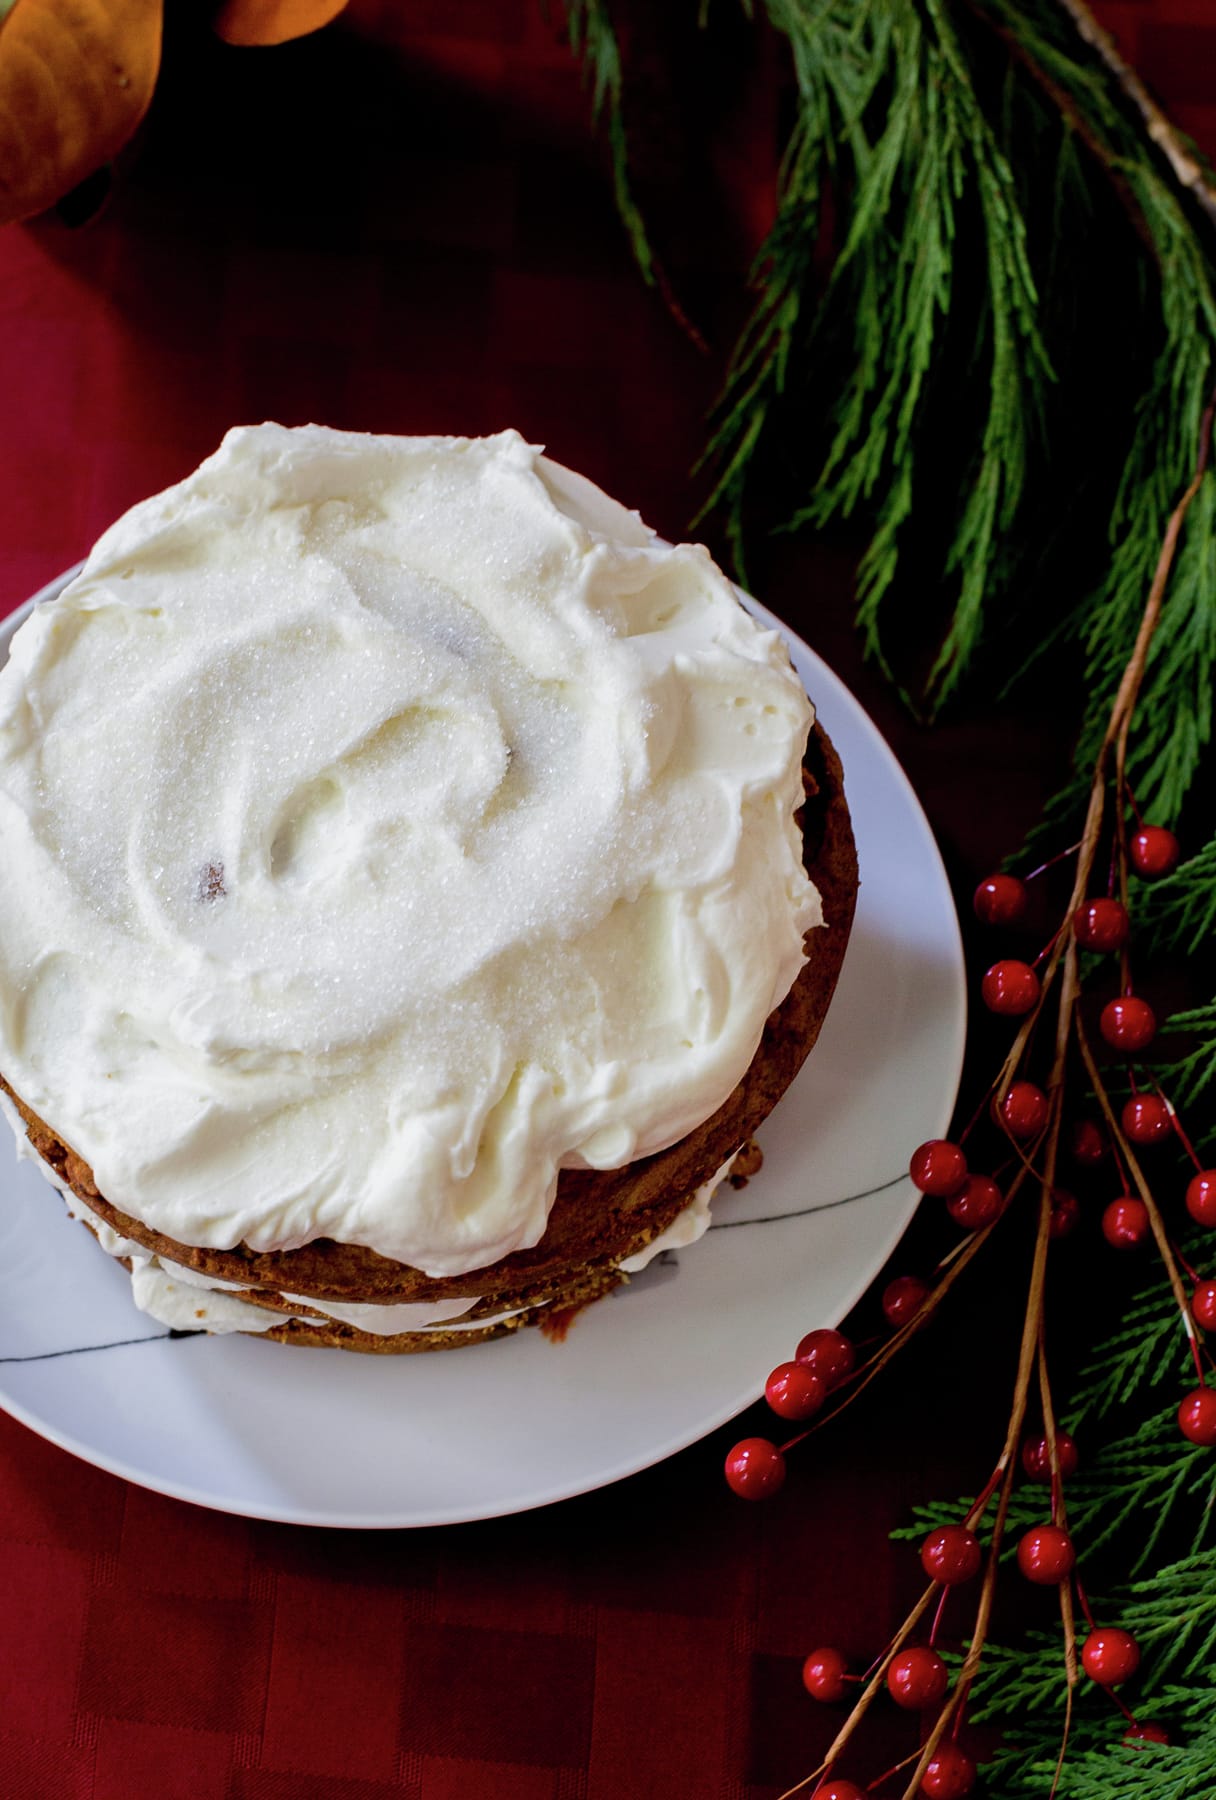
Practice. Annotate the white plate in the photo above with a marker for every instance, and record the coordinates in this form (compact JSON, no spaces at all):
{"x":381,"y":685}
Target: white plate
{"x":322,"y":1437}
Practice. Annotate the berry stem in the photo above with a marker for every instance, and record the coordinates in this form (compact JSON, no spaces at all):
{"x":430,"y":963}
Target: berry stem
{"x":937,"y":1618}
{"x":1084,"y":1601}
{"x":1051,"y":862}
{"x":1059,"y":1514}
{"x":1178,"y":1127}
{"x":1145,"y":1192}
{"x":887,"y":1773}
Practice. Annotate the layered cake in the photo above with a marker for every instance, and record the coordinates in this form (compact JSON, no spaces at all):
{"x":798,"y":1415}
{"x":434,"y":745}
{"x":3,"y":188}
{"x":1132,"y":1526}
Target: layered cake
{"x":418,"y":882}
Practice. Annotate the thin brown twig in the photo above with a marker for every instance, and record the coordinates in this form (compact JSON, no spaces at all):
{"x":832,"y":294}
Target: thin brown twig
{"x":1188,"y":171}
{"x":862,"y":1704}
{"x":1145,"y":1192}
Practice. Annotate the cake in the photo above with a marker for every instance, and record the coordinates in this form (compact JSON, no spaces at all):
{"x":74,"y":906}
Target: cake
{"x":420,"y":881}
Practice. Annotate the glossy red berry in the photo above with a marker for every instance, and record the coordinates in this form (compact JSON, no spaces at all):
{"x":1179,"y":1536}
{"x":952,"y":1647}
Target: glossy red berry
{"x":1086,"y":1143}
{"x":1203,"y":1305}
{"x":835,"y":1789}
{"x":1065,"y":1214}
{"x":828,"y":1354}
{"x":1154,"y":851}
{"x":1128,"y":1024}
{"x":1010,"y":988}
{"x":1197,"y":1416}
{"x":1110,"y":1655}
{"x":755,"y":1468}
{"x":1101,"y":925}
{"x":1023,"y":1111}
{"x":1046,"y":1555}
{"x":1201,"y":1197}
{"x":977,"y":1204}
{"x":824,"y":1675}
{"x":1000,"y":900}
{"x":1125,"y":1223}
{"x":917,"y":1678}
{"x":1146,"y":1120}
{"x":1036,"y":1457}
{"x":949,"y":1774}
{"x":1148,"y":1733}
{"x":951,"y":1554}
{"x":938,"y":1168}
{"x":795,"y":1392}
{"x":902,"y":1299}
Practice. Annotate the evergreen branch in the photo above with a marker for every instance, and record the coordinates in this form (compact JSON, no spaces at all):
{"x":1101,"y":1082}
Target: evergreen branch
{"x":1179,"y":912}
{"x":1191,"y":1076}
{"x":593,"y":39}
{"x":1189,"y":171}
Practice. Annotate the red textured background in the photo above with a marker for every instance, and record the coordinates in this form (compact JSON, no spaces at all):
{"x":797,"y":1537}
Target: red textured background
{"x":405,"y":226}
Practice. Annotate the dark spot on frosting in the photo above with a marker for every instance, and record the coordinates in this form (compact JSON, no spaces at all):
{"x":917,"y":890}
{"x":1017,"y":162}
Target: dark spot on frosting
{"x":211,"y":882}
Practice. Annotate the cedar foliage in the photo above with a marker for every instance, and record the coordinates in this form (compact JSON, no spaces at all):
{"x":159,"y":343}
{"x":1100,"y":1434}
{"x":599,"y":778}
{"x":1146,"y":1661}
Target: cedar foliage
{"x":972,"y":151}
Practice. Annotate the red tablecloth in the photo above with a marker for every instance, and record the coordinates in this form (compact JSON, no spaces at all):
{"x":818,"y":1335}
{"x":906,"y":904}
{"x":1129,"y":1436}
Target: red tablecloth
{"x":408,"y":229}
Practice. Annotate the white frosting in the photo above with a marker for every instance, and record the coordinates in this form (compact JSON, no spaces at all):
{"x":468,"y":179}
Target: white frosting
{"x":387,"y":824}
{"x":686,"y":1227}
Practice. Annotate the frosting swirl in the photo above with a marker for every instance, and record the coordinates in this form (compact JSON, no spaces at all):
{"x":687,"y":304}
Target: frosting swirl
{"x":387,"y":823}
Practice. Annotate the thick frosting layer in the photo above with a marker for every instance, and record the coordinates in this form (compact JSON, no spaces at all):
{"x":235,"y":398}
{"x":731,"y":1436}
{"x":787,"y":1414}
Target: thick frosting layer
{"x":386,"y":824}
{"x":186,"y":1300}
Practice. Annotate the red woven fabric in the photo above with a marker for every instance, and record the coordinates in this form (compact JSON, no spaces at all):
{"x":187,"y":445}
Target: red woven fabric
{"x":409,"y":229}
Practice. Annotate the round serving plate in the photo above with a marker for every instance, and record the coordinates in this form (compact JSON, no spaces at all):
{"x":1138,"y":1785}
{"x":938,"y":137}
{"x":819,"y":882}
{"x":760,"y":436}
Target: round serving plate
{"x":323,"y":1437}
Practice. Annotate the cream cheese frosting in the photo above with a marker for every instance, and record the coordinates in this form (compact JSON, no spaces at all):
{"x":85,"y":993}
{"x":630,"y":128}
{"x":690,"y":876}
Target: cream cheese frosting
{"x":387,"y":824}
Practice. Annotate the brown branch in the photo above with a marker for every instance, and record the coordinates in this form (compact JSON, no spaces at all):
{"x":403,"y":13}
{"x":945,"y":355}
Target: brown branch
{"x":1187,"y":170}
{"x":1142,"y":1187}
{"x":1063,"y":961}
{"x":862,"y":1704}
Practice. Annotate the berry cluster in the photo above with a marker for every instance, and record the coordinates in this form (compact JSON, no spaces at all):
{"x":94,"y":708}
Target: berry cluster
{"x":755,"y":1467}
{"x":1029,"y":1116}
{"x":916,"y":1675}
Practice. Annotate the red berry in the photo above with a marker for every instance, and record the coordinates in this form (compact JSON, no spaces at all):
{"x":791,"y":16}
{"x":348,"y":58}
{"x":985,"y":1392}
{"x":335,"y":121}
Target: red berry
{"x":1154,"y":851}
{"x":1128,"y":1024}
{"x":979,"y":1202}
{"x":1010,"y":988}
{"x":828,"y":1354}
{"x":1146,"y":1119}
{"x":902,"y":1299}
{"x":794,"y":1392}
{"x":1001,"y":900}
{"x":840,"y":1790}
{"x":1201,"y":1197}
{"x":951,"y":1554}
{"x":1101,"y":925}
{"x":1036,"y":1457}
{"x":1023,"y":1111}
{"x":1197,"y":1416}
{"x":1125,"y":1223}
{"x":1086,"y":1142}
{"x":1065,"y":1214}
{"x":949,"y":1774}
{"x":824,"y":1675}
{"x":1046,"y":1555}
{"x":1203,"y":1305}
{"x":755,"y":1468}
{"x":1146,"y":1734}
{"x":917,"y":1678}
{"x":938,"y":1167}
{"x":1110,"y":1655}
